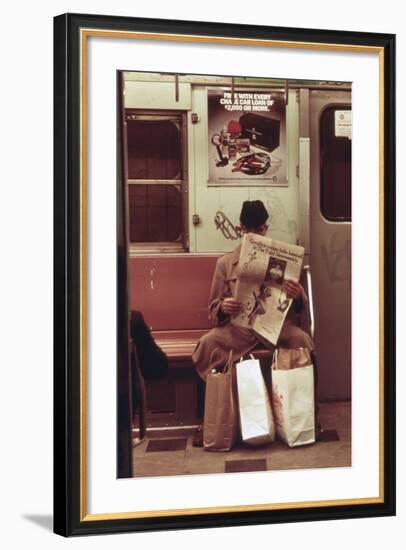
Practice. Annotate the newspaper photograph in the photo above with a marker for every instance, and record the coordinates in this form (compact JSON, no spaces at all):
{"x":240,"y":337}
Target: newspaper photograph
{"x":263,"y":267}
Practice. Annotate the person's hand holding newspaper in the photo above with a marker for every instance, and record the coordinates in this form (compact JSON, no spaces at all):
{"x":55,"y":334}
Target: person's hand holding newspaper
{"x":231,"y":306}
{"x":293,"y":289}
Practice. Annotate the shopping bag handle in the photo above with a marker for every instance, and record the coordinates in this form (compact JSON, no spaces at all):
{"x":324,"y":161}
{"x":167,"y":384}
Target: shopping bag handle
{"x":229,"y":364}
{"x":249,"y":355}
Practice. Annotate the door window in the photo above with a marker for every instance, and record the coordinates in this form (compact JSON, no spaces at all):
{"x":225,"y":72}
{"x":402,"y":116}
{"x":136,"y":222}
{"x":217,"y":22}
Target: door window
{"x":335,"y":165}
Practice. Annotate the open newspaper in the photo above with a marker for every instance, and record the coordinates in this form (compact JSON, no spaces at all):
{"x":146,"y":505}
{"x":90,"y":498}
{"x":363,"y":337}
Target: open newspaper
{"x":263,"y":266}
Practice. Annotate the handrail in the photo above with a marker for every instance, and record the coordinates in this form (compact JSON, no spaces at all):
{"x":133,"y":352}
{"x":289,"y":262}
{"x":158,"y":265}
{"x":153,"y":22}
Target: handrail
{"x":310,"y":296}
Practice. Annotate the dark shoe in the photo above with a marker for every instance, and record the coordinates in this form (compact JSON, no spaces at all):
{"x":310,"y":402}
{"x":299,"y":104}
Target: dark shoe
{"x":198,"y":437}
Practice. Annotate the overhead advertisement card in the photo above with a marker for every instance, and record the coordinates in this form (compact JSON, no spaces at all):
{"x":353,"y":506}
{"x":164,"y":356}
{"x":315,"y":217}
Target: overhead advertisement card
{"x":247,"y":137}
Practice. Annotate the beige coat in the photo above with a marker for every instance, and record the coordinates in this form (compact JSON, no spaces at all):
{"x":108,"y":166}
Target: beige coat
{"x":213,"y":348}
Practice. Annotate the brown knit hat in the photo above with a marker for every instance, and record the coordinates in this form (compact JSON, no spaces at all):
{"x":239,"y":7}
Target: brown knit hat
{"x":253,"y":214}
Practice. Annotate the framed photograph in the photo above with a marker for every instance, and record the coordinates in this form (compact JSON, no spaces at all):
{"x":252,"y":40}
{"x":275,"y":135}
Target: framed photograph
{"x":175,"y":142}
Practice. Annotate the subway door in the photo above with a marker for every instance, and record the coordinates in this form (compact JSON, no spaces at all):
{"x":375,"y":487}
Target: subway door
{"x":330,"y":237}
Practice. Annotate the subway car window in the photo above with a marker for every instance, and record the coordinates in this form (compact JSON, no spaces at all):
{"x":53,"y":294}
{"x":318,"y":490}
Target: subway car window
{"x":335,"y":164}
{"x":154,"y":148}
{"x":155,"y":213}
{"x":155,"y":179}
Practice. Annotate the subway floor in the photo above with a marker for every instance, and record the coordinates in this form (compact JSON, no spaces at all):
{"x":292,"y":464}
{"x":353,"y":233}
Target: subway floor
{"x":169,"y":455}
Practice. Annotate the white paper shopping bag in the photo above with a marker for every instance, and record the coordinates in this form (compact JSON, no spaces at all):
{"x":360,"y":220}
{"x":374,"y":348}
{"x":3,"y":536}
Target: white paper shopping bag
{"x":293,"y":396}
{"x":256,"y":420}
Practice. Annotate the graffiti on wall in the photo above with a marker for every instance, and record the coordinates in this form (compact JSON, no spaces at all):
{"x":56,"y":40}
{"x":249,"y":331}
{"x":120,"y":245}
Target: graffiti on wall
{"x":281,"y":225}
{"x":224,"y":224}
{"x":336,"y":256}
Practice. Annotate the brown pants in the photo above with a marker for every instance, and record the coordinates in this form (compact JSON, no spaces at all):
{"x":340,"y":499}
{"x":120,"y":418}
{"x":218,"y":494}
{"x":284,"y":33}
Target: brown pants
{"x":214,"y":347}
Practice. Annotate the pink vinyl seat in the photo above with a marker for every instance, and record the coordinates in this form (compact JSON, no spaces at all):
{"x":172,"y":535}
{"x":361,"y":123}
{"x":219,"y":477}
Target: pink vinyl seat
{"x":172,"y":294}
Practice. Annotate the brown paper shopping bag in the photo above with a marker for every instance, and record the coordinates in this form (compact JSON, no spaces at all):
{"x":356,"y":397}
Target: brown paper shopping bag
{"x":220,"y":427}
{"x":293,"y":396}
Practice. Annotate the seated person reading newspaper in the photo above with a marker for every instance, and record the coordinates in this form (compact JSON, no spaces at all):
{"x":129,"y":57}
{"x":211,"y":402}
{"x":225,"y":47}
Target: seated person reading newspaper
{"x":213,"y":348}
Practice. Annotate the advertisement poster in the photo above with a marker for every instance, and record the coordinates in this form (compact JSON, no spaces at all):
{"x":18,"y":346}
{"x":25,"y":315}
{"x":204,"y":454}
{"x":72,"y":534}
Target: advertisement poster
{"x":247,"y":137}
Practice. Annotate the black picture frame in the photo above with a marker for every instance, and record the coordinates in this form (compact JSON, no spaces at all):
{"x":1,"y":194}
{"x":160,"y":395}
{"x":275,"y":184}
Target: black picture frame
{"x":70,"y":517}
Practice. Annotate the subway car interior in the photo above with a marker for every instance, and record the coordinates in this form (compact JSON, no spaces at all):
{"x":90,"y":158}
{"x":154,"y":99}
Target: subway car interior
{"x":195,"y":147}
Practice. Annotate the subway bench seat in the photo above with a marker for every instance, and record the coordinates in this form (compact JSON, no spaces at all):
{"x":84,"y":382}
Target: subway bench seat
{"x":172,"y":292}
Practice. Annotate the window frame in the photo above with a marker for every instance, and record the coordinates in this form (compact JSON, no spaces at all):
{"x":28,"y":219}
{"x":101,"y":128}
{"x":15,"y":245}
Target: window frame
{"x":180,"y":118}
{"x":348,"y":219}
